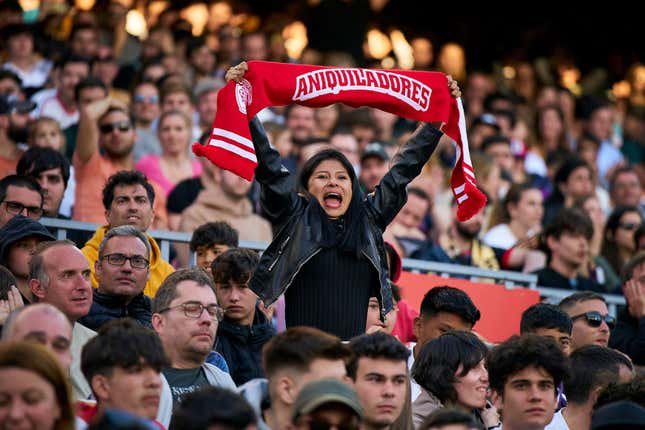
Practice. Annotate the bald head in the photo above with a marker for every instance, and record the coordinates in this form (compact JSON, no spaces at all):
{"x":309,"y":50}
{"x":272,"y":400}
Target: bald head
{"x":45,"y":324}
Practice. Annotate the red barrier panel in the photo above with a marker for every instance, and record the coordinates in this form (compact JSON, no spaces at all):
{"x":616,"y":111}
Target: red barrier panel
{"x":501,"y":308}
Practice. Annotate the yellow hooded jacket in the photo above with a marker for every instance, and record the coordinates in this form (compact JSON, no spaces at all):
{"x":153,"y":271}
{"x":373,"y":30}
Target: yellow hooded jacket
{"x":159,"y":268}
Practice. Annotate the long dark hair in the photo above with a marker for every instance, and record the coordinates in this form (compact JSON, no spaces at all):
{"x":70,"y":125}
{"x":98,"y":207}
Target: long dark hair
{"x":609,"y":248}
{"x":348,"y":232}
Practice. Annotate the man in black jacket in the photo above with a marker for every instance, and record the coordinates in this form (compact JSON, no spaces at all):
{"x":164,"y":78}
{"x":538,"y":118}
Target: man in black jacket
{"x":122,"y":269}
{"x":629,"y":334}
{"x":245,"y":328}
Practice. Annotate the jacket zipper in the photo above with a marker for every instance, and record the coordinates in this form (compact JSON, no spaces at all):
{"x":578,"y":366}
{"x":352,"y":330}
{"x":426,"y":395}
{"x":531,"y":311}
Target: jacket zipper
{"x":280,"y":251}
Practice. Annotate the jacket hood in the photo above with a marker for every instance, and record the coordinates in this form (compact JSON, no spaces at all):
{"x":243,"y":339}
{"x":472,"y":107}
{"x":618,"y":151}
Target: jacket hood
{"x":18,"y":228}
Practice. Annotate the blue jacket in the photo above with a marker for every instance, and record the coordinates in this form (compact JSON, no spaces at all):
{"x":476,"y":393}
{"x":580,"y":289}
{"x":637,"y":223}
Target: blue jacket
{"x":241,"y":346}
{"x":106,"y":307}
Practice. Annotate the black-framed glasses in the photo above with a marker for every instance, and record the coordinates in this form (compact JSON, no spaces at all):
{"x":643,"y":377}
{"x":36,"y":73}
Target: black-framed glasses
{"x":117,"y":259}
{"x":122,"y":126}
{"x":195,"y":309}
{"x":595,"y":319}
{"x":16,"y":208}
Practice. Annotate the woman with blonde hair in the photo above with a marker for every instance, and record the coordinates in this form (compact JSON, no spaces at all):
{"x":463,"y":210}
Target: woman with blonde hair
{"x":34,"y":391}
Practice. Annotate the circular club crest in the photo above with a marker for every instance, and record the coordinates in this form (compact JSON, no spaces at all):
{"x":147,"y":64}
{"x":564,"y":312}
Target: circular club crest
{"x":243,"y":95}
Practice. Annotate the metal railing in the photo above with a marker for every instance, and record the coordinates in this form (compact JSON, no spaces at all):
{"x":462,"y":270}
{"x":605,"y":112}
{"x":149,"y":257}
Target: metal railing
{"x":507,"y":278}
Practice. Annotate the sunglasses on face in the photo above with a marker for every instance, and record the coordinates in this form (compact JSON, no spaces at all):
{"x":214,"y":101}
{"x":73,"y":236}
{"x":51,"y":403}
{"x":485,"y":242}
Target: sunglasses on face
{"x":138,"y":98}
{"x":324,"y":425}
{"x":122,"y":126}
{"x":628,"y":225}
{"x":595,"y":319}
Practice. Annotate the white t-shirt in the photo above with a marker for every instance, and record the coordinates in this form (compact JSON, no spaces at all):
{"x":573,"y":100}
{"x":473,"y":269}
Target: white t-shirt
{"x":500,"y":236}
{"x":415,"y":389}
{"x":558,"y":422}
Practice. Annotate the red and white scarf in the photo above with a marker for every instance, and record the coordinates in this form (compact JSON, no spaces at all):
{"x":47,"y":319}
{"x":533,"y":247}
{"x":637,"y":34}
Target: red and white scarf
{"x":421,"y":96}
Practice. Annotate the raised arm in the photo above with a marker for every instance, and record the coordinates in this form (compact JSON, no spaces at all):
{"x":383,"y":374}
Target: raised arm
{"x":390,"y":195}
{"x":87,"y":139}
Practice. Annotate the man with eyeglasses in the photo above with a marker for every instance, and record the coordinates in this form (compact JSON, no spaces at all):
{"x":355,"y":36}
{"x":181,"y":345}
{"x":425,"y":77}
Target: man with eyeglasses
{"x":186,"y":315}
{"x":122,"y":269}
{"x":629,"y":334}
{"x":20,"y":195}
{"x":104,"y":146}
{"x":592,"y":323}
{"x":128,"y":199}
{"x":145,"y":109}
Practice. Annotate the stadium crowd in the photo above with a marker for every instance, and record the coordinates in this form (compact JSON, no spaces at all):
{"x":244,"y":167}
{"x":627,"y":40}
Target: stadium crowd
{"x":102,"y":331}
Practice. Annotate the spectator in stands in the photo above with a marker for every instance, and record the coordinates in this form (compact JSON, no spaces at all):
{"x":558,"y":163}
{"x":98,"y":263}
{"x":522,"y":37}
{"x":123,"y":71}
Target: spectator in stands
{"x":10,"y":151}
{"x":374,"y":165}
{"x":122,"y":364}
{"x":34,"y":389}
{"x":450,"y":419}
{"x":405,"y":232}
{"x":18,"y":239}
{"x":327,"y":403}
{"x":145,"y":109}
{"x":550,"y":137}
{"x":224,"y":198}
{"x":633,"y":390}
{"x":629,"y":334}
{"x":573,"y":180}
{"x":210,"y":240}
{"x":591,"y":369}
{"x":201,"y":59}
{"x":460,"y":244}
{"x":122,"y":269}
{"x":51,"y":169}
{"x":20,"y":195}
{"x":600,"y":125}
{"x":524,"y":375}
{"x":378,"y":369}
{"x":174,"y":164}
{"x":345,"y":142}
{"x":128,"y":199}
{"x":639,"y":238}
{"x":300,"y":122}
{"x":83,"y":40}
{"x":196,"y":412}
{"x":245,"y":329}
{"x":88,"y":90}
{"x":10,"y":84}
{"x":205,"y":95}
{"x":291,"y":359}
{"x":452,"y":373}
{"x":59,"y":102}
{"x":482,"y":127}
{"x":104,"y":146}
{"x":566,"y":243}
{"x":592,"y":323}
{"x":45,"y":324}
{"x":548,"y":321}
{"x":60,"y":275}
{"x":516,"y":218}
{"x":176,"y":96}
{"x":442,"y":309}
{"x":10,"y":298}
{"x":23,"y":57}
{"x":625,"y":189}
{"x":186,"y":316}
{"x":618,"y":238}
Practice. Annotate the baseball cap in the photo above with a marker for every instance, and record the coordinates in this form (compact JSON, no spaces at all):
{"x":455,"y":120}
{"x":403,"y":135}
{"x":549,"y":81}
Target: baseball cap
{"x":324,"y":391}
{"x":486,"y":119}
{"x":622,"y":415}
{"x":375,"y":149}
{"x":10,"y":104}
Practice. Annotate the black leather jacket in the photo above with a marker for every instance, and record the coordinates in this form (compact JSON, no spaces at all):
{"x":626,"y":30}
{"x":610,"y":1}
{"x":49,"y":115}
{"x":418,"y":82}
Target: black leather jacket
{"x":295,"y":240}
